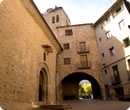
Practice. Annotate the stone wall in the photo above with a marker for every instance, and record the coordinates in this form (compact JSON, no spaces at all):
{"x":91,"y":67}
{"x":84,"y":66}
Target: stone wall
{"x":81,"y":33}
{"x":21,"y":57}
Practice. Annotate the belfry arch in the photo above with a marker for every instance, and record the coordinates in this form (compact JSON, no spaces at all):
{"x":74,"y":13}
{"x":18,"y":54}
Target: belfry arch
{"x":70,"y":89}
{"x":43,"y":86}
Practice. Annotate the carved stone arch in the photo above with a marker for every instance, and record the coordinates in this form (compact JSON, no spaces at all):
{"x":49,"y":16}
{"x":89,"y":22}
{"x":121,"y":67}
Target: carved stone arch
{"x":43,"y":82}
{"x":68,"y":87}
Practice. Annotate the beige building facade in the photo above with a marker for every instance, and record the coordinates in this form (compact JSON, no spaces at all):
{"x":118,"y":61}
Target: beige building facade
{"x":113,"y":38}
{"x":80,"y":58}
{"x":28,"y":52}
{"x":34,"y":69}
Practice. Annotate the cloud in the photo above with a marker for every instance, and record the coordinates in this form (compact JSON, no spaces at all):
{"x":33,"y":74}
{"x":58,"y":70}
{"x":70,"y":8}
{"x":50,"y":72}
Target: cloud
{"x":1,"y":1}
{"x":83,"y":11}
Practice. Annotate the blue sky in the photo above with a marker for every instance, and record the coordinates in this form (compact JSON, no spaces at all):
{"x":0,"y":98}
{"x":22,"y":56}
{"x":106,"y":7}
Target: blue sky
{"x":79,"y":11}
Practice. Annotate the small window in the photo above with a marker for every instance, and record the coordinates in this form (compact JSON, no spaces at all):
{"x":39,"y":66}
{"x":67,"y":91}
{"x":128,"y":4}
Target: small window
{"x":53,"y":19}
{"x":106,"y":21}
{"x":129,"y":63}
{"x":57,"y":18}
{"x":108,"y":35}
{"x":68,"y":32}
{"x":103,"y":54}
{"x":121,"y":24}
{"x":126,"y":42}
{"x":112,"y":51}
{"x":44,"y":56}
{"x":67,"y":61}
{"x":105,"y":72}
{"x":66,"y":46}
{"x":100,"y":39}
{"x":129,"y":69}
{"x":117,"y":9}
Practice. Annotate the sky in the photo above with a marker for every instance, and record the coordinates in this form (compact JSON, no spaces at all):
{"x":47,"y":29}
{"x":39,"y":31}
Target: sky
{"x":79,"y":11}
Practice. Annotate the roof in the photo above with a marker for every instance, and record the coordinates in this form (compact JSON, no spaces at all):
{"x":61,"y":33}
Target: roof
{"x":107,"y":13}
{"x":34,"y":12}
{"x":75,"y":25}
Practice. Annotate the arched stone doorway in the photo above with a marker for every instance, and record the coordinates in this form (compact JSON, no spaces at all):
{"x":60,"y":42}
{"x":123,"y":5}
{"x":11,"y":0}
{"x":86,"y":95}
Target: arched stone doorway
{"x":43,"y":86}
{"x":70,"y":88}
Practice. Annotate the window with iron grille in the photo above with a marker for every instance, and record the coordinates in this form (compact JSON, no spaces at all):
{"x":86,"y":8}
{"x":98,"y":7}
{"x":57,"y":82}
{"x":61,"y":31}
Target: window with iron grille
{"x":66,"y":46}
{"x":68,"y":32}
{"x":67,"y":61}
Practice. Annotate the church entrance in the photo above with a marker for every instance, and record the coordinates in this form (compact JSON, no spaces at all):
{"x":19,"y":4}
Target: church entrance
{"x":42,"y":86}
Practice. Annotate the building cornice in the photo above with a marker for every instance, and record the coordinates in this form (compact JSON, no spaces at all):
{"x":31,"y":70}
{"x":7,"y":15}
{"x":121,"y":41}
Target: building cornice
{"x":75,"y":25}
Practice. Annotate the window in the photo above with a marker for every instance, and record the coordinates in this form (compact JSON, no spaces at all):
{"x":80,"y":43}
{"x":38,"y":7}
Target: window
{"x":112,"y":51}
{"x":67,"y":61}
{"x":82,"y":46}
{"x":100,"y":39}
{"x":57,"y":18}
{"x":116,"y":73}
{"x":121,"y":24}
{"x":68,"y":32}
{"x":117,"y":10}
{"x":129,"y":26}
{"x":126,"y":42}
{"x":129,"y":63}
{"x":44,"y":56}
{"x":108,"y":35}
{"x":105,"y":72}
{"x":66,"y":46}
{"x":83,"y":61}
{"x":103,"y":54}
{"x":105,"y":22}
{"x":53,"y":19}
{"x":129,"y":69}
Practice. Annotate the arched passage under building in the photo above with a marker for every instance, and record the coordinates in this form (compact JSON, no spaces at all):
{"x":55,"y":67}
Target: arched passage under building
{"x":70,"y":86}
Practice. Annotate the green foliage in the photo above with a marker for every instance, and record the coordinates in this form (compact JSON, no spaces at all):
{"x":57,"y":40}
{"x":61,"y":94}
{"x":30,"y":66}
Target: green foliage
{"x":85,"y":90}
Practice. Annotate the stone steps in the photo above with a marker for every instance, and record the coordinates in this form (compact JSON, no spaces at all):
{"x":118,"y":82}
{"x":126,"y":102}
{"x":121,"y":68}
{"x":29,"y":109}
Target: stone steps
{"x":52,"y":107}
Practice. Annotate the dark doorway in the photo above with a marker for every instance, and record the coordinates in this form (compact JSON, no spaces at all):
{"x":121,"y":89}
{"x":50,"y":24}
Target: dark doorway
{"x":107,"y":91}
{"x":119,"y":92}
{"x":42,"y":86}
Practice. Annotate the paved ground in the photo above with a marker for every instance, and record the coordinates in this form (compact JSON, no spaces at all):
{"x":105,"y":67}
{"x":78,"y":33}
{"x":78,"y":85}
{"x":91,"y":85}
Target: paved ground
{"x":98,"y":105}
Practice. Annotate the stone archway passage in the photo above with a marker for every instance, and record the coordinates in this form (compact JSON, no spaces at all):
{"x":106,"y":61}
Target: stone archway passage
{"x":42,"y":86}
{"x":70,"y":89}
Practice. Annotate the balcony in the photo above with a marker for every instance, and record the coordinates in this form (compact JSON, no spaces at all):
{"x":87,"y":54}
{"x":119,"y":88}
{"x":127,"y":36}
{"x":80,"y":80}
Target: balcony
{"x":83,"y":50}
{"x":115,"y":80}
{"x":84,"y":65}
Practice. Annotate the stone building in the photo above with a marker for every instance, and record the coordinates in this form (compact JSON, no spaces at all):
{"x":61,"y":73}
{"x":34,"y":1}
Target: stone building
{"x":113,"y":38}
{"x":28,"y":54}
{"x":80,"y":58}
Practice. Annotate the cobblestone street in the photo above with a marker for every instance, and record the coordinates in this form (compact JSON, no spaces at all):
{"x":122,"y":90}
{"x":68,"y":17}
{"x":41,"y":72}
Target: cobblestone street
{"x":98,"y":105}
